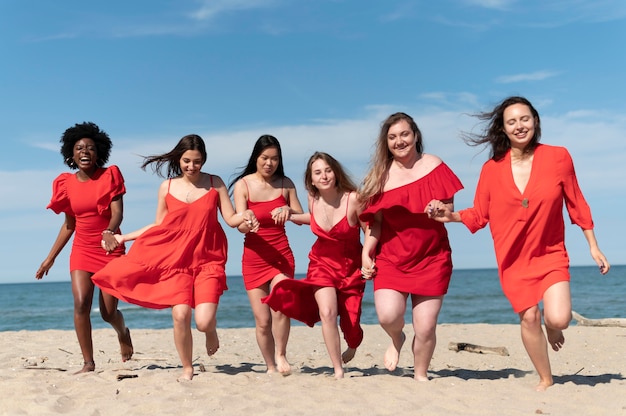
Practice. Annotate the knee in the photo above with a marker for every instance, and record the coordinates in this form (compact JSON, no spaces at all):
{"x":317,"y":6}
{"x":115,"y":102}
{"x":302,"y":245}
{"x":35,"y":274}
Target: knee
{"x":82,"y":306}
{"x":328,"y":315}
{"x":182,"y":317}
{"x":558,"y":322}
{"x":206,"y":326}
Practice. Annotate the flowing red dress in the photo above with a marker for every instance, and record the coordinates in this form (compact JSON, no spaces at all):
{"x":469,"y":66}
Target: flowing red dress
{"x":413,"y":254}
{"x":334,"y":261}
{"x":266,"y":253}
{"x":89,"y":202}
{"x":527,"y":228}
{"x":180,"y":261}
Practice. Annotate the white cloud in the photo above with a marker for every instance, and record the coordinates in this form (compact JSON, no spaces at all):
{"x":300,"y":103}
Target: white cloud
{"x":210,"y":9}
{"x":531,"y":76}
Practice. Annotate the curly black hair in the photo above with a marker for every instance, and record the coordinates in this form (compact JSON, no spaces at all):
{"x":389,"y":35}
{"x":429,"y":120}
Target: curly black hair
{"x":86,"y":130}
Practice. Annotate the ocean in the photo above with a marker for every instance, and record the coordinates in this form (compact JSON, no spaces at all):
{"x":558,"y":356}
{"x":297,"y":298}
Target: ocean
{"x":474,"y":296}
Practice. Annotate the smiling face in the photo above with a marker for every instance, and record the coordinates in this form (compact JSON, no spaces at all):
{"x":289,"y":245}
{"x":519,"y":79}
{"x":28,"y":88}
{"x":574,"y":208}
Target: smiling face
{"x":519,"y":125}
{"x":191,"y":163}
{"x":322,"y":175}
{"x":267,"y":162}
{"x":401,"y":140}
{"x":85,"y":154}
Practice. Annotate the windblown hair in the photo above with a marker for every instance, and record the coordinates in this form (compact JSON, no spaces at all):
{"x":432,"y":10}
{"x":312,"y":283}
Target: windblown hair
{"x":374,"y":181}
{"x":262,"y":143}
{"x":85,"y":130}
{"x":343,"y":182}
{"x":172,"y":158}
{"x":493,"y":133}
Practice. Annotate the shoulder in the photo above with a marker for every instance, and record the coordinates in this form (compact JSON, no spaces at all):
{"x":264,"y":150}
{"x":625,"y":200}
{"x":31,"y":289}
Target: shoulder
{"x":427,"y":158}
{"x":287,"y":183}
{"x":216,"y":181}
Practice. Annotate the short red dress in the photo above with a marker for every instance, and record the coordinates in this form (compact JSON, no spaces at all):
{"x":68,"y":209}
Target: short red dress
{"x":334,"y":261}
{"x":527,"y":228}
{"x":90,"y":203}
{"x":266,"y":253}
{"x":180,"y":261}
{"x":413,"y":254}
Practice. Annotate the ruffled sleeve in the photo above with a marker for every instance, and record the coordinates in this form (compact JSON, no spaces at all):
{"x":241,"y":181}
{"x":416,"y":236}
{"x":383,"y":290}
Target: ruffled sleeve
{"x":110,"y":185}
{"x":441,"y":183}
{"x":60,"y":201}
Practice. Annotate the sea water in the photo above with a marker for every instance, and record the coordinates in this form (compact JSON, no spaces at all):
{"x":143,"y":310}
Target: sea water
{"x":474,"y":296}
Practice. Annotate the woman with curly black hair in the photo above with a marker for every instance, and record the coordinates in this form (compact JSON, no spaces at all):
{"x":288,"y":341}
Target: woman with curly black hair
{"x":91,"y":200}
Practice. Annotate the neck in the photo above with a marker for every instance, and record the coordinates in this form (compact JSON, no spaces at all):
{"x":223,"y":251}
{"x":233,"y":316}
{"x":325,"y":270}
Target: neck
{"x":520,"y":153}
{"x":331,"y":196}
{"x":409,"y":161}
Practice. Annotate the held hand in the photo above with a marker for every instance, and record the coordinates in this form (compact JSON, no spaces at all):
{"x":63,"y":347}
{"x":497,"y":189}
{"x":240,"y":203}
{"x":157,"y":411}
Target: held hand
{"x":250,"y":221}
{"x":438,"y":211}
{"x":46,"y":265}
{"x":109,"y":242}
{"x":368,"y":272}
{"x":281,"y":215}
{"x":600,"y":260}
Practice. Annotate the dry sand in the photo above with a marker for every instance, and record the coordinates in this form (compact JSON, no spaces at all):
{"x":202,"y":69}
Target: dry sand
{"x":36,"y":373}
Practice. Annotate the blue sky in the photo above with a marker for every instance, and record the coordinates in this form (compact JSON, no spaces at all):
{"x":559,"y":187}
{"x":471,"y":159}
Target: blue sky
{"x":318,"y":75}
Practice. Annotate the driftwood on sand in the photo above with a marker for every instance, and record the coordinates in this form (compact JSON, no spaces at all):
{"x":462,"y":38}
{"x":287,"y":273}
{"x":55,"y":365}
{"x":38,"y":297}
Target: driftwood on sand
{"x":479,"y":349}
{"x":581,"y":320}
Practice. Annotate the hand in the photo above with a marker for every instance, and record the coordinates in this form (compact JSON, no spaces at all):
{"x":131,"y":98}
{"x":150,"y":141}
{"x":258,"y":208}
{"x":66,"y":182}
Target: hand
{"x":109,"y":242}
{"x":43,"y":269}
{"x":250,"y":220}
{"x":438,"y":211}
{"x":281,"y":215}
{"x":601,"y":261}
{"x":369,"y":272}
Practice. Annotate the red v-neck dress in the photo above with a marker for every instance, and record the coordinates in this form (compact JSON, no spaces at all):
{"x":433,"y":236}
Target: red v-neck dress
{"x":266,"y":253}
{"x":180,"y":261}
{"x":413,"y":253}
{"x":527,"y":228}
{"x":334,"y":261}
{"x":90,"y":203}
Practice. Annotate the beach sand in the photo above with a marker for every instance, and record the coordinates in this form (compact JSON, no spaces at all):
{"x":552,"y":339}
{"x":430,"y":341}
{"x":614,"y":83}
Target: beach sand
{"x":36,"y":373}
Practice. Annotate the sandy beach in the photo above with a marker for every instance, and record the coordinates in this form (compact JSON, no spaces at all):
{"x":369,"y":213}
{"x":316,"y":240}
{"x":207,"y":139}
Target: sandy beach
{"x":36,"y":369}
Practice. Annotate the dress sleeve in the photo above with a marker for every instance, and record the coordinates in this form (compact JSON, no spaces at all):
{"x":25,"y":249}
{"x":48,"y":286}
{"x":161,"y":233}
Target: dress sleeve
{"x":477,"y":217}
{"x":110,"y":185}
{"x":60,"y":201}
{"x":577,"y":207}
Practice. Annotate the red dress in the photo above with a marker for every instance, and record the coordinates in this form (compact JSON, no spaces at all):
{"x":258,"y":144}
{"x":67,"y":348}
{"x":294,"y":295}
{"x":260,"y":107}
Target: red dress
{"x":180,"y":261}
{"x":527,"y":228}
{"x":413,"y":253}
{"x":334,"y":261}
{"x":266,"y":253}
{"x":89,"y":202}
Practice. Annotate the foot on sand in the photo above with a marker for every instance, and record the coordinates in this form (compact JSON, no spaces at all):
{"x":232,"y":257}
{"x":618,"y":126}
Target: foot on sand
{"x":187,"y":375}
{"x":282,"y":365}
{"x":348,"y":355}
{"x":88,"y":366}
{"x":126,"y":345}
{"x":212,"y":342}
{"x":555,"y":338}
{"x":392,"y":355}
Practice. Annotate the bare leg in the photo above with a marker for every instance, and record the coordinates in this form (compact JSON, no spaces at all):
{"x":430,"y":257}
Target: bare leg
{"x":536,"y":345}
{"x":181,"y":317}
{"x":281,"y":327}
{"x":557,"y":313}
{"x":263,"y":323}
{"x":425,"y":314}
{"x":110,"y":314}
{"x":326,"y":298}
{"x":206,"y":322}
{"x":82,"y":290}
{"x":390,"y":307}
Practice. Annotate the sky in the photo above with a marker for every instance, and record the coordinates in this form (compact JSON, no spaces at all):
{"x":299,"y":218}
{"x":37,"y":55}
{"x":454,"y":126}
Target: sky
{"x":318,"y":75}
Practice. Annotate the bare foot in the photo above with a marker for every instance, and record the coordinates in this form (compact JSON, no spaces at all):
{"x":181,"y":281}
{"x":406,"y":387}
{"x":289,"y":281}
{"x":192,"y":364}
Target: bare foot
{"x":126,"y":345}
{"x":282,"y":365}
{"x":544,"y":384}
{"x":418,"y":377}
{"x":348,"y":355}
{"x":187,"y":375}
{"x":338,"y":374}
{"x":212,"y":342}
{"x":88,"y":366}
{"x":392,"y":355}
{"x":555,"y":338}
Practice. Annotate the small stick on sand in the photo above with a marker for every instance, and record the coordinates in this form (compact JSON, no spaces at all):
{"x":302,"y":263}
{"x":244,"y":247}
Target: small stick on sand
{"x":581,"y":320}
{"x":479,"y":349}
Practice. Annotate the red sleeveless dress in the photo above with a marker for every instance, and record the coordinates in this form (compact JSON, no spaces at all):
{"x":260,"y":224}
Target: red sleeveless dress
{"x":180,"y":261}
{"x":413,"y":254}
{"x":89,"y":202}
{"x":334,"y":261}
{"x":266,"y":253}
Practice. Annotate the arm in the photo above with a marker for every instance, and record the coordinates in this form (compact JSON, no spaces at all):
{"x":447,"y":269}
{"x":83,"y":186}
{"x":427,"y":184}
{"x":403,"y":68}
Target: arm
{"x":372,"y":237}
{"x":65,"y":233}
{"x":109,"y":242}
{"x":281,"y":215}
{"x":232,"y":218}
{"x":596,"y":254}
{"x":240,"y":195}
{"x":161,"y":212}
{"x":305,"y":217}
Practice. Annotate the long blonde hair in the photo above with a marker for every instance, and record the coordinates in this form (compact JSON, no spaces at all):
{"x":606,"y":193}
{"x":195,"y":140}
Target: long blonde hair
{"x":374,"y":181}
